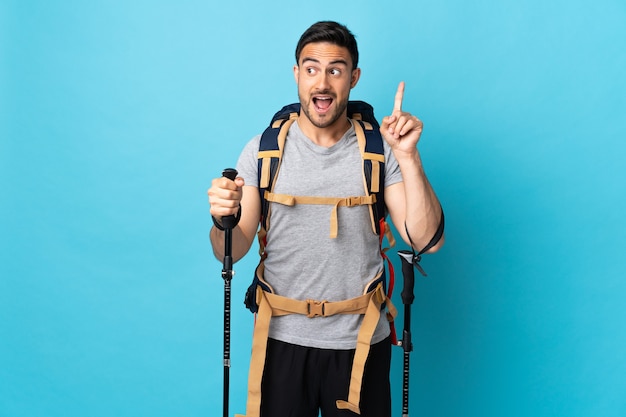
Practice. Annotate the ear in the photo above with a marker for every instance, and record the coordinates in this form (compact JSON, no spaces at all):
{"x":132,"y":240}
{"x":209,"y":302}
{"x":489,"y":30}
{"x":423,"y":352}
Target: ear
{"x":296,"y":73}
{"x":356,"y":74}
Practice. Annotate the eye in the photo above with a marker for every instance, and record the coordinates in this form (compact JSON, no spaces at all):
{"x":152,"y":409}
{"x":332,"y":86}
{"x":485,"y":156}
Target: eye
{"x":335,"y":71}
{"x":310,"y":70}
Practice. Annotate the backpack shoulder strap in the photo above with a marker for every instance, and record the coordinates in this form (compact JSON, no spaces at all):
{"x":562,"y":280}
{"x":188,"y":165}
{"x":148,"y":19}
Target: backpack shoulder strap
{"x":270,"y":153}
{"x":373,"y":155}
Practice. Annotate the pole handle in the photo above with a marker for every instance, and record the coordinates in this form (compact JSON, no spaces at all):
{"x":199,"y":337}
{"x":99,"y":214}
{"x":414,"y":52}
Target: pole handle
{"x":409,"y":277}
{"x":229,"y":222}
{"x":230,"y":173}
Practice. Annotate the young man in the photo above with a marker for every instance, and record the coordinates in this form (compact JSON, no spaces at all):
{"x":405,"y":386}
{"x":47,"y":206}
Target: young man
{"x":309,"y":360}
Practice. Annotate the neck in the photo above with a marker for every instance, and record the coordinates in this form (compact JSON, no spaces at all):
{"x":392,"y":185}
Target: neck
{"x":324,"y":136}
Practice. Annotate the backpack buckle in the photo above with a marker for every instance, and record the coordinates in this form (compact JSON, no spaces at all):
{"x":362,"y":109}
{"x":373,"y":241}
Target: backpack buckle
{"x":315,"y":308}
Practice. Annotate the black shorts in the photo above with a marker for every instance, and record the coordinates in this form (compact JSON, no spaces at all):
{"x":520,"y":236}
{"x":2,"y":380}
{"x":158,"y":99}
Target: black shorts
{"x":300,"y":381}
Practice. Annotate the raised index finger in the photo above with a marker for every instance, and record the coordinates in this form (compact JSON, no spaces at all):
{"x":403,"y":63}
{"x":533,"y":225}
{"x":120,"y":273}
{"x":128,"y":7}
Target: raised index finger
{"x":397,"y":103}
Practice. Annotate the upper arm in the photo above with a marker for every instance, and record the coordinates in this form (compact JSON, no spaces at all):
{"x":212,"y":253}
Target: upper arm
{"x":395,"y":200}
{"x":250,"y":213}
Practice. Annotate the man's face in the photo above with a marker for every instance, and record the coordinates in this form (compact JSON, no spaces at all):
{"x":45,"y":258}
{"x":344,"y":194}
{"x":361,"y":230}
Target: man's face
{"x":325,"y":76}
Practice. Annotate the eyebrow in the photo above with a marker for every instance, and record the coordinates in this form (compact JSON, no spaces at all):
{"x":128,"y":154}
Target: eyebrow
{"x":335,"y":62}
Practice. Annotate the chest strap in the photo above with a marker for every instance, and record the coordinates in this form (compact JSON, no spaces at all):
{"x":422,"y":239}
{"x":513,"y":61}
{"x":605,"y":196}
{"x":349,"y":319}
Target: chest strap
{"x":292,"y":200}
{"x":270,"y":305}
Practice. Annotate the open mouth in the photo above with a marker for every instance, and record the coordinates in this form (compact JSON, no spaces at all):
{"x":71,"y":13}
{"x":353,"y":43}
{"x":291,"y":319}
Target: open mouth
{"x":322,"y":103}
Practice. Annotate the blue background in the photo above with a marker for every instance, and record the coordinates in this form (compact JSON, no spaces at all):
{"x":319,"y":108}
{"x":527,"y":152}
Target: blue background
{"x":116,"y":115}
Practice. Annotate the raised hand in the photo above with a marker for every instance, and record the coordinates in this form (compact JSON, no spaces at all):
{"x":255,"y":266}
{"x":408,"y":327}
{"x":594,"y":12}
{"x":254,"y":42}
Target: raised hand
{"x":401,"y":129}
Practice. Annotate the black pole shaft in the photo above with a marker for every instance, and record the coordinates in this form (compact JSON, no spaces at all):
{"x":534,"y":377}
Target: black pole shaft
{"x":407,"y":346}
{"x":227,"y":275}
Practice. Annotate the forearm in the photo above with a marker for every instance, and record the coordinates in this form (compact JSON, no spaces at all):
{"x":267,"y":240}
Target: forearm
{"x":240,"y":243}
{"x":422,"y":208}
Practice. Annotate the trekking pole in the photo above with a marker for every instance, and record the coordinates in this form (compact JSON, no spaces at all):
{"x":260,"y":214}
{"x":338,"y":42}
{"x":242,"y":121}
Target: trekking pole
{"x":228,"y":223}
{"x":407,"y":258}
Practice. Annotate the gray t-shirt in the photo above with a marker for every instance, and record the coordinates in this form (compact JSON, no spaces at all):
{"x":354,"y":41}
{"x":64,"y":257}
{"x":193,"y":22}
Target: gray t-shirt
{"x":303,"y":262}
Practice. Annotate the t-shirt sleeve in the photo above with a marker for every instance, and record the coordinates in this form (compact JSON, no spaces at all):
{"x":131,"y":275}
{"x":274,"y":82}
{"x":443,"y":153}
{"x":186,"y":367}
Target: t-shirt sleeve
{"x":392,"y":168}
{"x":247,"y":165}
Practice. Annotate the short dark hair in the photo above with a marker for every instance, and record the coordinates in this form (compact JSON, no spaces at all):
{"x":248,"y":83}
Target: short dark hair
{"x":332,"y":32}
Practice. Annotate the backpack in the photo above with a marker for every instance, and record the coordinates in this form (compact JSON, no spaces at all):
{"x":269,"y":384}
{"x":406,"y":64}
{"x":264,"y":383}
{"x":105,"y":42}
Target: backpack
{"x":372,"y":152}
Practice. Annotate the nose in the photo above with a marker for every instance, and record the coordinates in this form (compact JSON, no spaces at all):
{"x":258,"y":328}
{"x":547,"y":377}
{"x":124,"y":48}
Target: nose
{"x":322,"y":82}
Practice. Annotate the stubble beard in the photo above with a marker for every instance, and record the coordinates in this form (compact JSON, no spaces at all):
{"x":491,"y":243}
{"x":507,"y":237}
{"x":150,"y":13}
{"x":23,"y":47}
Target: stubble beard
{"x":328,"y":119}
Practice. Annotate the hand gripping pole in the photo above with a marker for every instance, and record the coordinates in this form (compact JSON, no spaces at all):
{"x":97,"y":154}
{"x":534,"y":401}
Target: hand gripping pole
{"x":228,"y":223}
